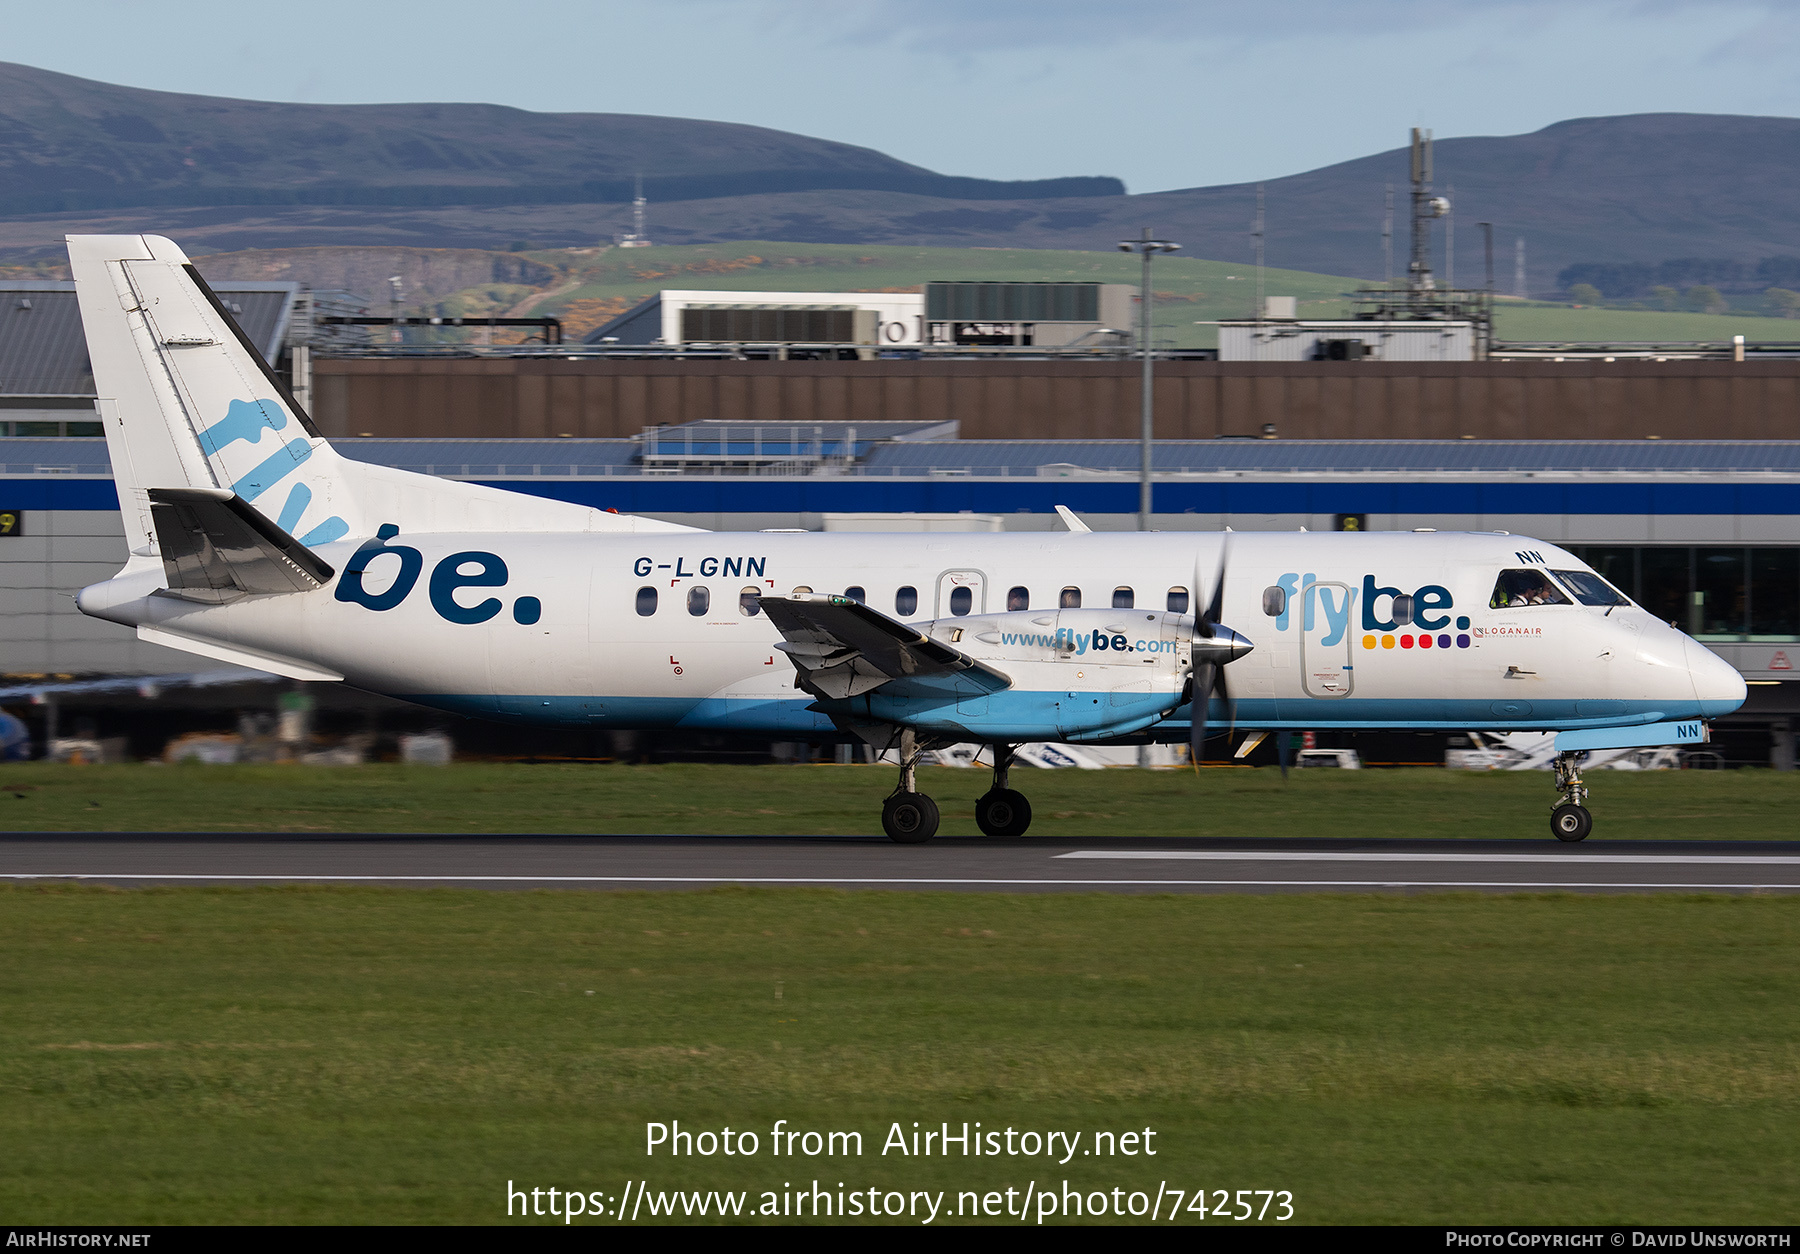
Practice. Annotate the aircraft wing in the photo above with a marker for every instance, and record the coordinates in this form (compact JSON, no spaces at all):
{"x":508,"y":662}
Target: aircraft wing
{"x":843,"y":649}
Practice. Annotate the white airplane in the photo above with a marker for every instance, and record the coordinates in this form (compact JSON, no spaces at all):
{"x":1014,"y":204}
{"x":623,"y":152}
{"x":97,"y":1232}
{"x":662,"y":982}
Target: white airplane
{"x":254,"y":542}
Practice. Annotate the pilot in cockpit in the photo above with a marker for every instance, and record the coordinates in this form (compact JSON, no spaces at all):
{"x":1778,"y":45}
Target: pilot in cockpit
{"x":1516,"y":588}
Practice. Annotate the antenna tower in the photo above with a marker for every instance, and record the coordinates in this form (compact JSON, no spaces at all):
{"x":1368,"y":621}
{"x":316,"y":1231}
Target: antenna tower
{"x":637,"y":238}
{"x":1425,"y":208}
{"x":1420,"y":298}
{"x":1387,"y":239}
{"x":1261,"y":303}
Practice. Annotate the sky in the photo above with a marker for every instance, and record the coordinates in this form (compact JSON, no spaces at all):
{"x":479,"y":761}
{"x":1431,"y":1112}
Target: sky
{"x":1160,"y":93}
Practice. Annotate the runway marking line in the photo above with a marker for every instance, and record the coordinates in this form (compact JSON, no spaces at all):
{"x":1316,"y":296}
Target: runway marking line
{"x":782,"y":879}
{"x":1226,"y":855}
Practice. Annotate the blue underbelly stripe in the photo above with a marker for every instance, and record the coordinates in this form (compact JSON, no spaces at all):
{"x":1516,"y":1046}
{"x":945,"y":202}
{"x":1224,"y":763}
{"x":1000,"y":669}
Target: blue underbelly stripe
{"x":1028,"y":718}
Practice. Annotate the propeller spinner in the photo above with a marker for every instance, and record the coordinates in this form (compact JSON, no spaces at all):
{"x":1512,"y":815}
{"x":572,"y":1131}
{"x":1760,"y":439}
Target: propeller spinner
{"x":1215,"y":647}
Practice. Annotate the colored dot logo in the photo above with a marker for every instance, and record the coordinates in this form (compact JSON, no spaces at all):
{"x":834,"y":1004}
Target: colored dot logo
{"x":1424,"y":640}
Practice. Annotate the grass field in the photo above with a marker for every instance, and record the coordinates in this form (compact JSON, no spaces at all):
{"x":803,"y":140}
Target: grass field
{"x":372,"y":1055}
{"x":1565,"y":323}
{"x":807,"y":800}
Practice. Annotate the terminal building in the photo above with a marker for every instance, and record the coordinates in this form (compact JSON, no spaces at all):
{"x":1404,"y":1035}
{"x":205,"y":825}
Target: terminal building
{"x":951,"y":314}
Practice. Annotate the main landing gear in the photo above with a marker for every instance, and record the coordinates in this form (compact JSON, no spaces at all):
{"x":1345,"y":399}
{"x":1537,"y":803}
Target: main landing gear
{"x":909,"y":817}
{"x":1001,"y":811}
{"x":1570,"y":820}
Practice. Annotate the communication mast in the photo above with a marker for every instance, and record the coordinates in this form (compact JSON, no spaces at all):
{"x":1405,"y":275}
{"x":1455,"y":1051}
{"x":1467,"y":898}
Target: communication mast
{"x":1420,"y":299}
{"x":637,"y":238}
{"x":1426,"y":209}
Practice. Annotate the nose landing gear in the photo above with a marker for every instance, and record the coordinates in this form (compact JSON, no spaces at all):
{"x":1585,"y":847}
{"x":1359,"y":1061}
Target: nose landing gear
{"x":908,"y":816}
{"x":1570,"y":820}
{"x":1001,"y":811}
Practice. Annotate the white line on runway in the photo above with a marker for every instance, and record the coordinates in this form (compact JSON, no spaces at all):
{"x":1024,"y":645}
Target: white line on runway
{"x":786,"y":879}
{"x":1287,"y":855}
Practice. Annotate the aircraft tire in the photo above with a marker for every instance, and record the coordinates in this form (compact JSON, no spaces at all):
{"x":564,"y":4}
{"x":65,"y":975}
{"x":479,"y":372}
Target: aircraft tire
{"x":909,"y":818}
{"x":1571,"y":823}
{"x":1003,"y":812}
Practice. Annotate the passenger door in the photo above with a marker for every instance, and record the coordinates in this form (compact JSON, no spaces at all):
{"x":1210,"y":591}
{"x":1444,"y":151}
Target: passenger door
{"x":1327,"y":665}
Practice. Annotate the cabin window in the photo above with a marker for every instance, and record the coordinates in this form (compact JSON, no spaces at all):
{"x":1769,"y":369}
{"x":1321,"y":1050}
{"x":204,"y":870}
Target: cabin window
{"x":1517,"y":588}
{"x":1018,"y":599}
{"x":646,"y":601}
{"x":1403,"y":610}
{"x":1123,"y":598}
{"x":801,"y":590}
{"x":854,"y":593}
{"x":699,"y":600}
{"x":750,"y":602}
{"x":1274,"y":600}
{"x":1178,"y":600}
{"x":1070,"y":599}
{"x":906,"y":601}
{"x":962,"y":600}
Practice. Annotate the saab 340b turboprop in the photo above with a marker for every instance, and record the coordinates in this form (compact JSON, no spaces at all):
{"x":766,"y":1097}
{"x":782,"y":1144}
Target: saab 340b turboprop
{"x":254,"y":541}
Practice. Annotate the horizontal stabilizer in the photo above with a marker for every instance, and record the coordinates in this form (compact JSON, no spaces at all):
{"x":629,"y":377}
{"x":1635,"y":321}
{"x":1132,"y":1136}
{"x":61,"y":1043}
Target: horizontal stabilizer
{"x":216,"y":548}
{"x":843,"y":648}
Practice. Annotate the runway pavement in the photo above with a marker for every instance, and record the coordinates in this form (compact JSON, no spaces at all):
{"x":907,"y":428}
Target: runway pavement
{"x":957,"y":863}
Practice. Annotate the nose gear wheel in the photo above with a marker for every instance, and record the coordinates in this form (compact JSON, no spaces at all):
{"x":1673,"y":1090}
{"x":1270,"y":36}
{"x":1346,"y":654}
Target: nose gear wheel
{"x":1570,"y":820}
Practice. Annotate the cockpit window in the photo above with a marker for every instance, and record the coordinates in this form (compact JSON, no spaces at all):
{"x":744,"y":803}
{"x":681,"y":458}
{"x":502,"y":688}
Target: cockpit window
{"x":1516,"y":588}
{"x":1590,"y":589}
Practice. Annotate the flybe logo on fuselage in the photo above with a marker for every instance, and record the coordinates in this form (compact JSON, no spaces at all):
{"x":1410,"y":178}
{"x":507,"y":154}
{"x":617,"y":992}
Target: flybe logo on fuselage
{"x":1330,"y":605}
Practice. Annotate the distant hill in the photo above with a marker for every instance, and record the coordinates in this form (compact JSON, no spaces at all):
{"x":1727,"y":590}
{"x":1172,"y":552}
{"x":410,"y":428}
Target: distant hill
{"x":71,"y":144}
{"x":224,"y":175}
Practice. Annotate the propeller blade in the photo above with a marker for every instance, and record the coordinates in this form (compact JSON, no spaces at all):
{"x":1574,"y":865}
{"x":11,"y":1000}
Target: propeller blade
{"x":1215,"y":606}
{"x":1209,"y":674}
{"x":1224,"y":688}
{"x":1202,"y":690}
{"x":1284,"y":750}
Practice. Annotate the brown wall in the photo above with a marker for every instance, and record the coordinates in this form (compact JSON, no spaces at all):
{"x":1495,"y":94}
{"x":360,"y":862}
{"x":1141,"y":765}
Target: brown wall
{"x":1069,"y":400}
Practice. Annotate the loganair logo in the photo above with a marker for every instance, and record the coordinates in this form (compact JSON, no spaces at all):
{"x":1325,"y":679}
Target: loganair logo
{"x":471,"y":569}
{"x":1328,"y":608}
{"x":244,"y":423}
{"x":1080,"y":642}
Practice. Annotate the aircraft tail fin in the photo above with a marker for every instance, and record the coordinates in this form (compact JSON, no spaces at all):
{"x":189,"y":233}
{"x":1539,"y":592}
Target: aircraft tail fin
{"x":188,"y":402}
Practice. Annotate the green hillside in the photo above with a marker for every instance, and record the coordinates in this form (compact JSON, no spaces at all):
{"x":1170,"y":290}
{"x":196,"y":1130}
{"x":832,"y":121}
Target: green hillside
{"x":1563,"y":322}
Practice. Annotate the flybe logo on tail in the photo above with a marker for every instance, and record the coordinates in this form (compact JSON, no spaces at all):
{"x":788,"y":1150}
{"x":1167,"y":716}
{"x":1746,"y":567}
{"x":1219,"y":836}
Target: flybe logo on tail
{"x":244,"y":423}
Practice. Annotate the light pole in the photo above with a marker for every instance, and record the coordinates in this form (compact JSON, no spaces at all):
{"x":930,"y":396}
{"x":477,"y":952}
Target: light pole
{"x":1148,"y":247}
